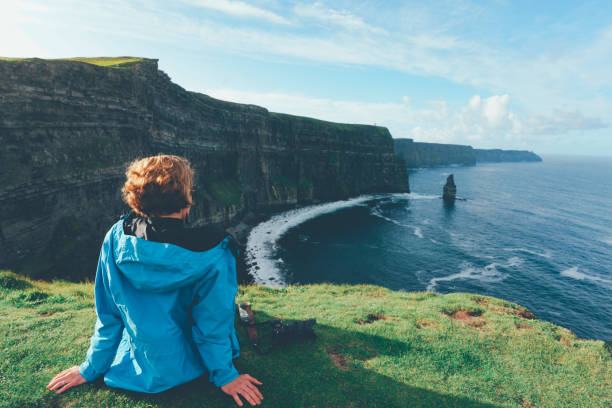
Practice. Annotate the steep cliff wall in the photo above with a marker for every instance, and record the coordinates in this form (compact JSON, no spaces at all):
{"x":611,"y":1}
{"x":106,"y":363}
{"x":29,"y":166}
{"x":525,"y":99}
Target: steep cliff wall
{"x":67,"y":130}
{"x":418,"y":154}
{"x":498,"y":155}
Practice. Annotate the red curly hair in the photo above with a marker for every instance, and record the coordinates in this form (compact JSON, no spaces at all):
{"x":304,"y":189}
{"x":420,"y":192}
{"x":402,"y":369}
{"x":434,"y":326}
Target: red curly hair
{"x":158,"y":185}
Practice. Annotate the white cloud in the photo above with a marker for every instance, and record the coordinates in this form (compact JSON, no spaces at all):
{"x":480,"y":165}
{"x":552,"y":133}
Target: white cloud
{"x":562,"y":121}
{"x":238,"y":8}
{"x":489,"y":114}
{"x":418,"y":41}
{"x":558,"y":92}
{"x":482,"y":122}
{"x":341,"y":18}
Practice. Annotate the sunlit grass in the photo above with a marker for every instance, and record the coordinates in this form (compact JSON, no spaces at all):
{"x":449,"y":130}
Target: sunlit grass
{"x":374,"y":347}
{"x":101,"y":61}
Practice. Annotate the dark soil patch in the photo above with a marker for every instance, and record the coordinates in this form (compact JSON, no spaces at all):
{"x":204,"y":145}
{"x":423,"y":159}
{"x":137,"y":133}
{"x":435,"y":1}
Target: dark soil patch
{"x":470,"y":317}
{"x":524,"y":313}
{"x":421,"y":324}
{"x":519,"y":312}
{"x":523,"y":326}
{"x":337,"y":358}
{"x":477,"y":323}
{"x":371,"y":318}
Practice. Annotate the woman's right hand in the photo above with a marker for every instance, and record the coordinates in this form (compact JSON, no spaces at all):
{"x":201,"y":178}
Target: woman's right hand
{"x":246,"y":386}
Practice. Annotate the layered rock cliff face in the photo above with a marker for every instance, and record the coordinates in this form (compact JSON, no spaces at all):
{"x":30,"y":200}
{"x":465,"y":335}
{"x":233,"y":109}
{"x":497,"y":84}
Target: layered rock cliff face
{"x":68,"y":129}
{"x":418,"y":154}
{"x":498,"y":155}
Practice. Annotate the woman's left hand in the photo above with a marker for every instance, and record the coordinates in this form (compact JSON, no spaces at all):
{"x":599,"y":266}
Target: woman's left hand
{"x":66,"y":379}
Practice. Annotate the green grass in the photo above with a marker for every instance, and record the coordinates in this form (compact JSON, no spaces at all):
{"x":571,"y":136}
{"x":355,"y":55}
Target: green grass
{"x":114,"y":62}
{"x":225,"y":190}
{"x":374,"y":347}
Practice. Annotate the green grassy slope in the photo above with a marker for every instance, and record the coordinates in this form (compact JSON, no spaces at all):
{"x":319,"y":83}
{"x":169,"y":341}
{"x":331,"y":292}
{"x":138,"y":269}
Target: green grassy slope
{"x":375,"y":347}
{"x":113,"y":62}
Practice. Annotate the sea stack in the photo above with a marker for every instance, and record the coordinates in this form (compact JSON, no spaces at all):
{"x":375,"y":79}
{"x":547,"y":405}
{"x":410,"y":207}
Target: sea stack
{"x":449,"y":192}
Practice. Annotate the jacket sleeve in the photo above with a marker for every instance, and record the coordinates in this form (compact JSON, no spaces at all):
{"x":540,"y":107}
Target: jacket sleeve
{"x":109,"y":326}
{"x":213,"y":314}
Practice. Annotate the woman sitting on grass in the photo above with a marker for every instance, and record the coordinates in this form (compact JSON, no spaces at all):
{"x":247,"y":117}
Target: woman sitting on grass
{"x":165,"y":294}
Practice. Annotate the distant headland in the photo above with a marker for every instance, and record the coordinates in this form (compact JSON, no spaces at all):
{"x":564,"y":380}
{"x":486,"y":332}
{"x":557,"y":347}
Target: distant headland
{"x":420,"y":154}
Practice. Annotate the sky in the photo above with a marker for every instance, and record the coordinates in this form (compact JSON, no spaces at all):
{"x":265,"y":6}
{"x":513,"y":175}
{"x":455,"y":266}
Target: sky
{"x":533,"y":75}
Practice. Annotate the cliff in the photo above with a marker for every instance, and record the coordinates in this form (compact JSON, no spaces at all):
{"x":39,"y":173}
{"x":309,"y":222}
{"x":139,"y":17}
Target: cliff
{"x":374,"y":348}
{"x":498,"y":155}
{"x":418,"y":154}
{"x":68,"y":129}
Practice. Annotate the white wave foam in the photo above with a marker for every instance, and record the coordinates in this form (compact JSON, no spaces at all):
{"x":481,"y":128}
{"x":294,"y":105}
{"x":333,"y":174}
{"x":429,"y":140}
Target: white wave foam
{"x":418,"y":232}
{"x":261,"y":243}
{"x":607,"y":240}
{"x":514,"y":262}
{"x":545,"y":254}
{"x":412,"y":196}
{"x":377,"y":213}
{"x":487,"y":274}
{"x":574,"y":273}
{"x":468,"y":271}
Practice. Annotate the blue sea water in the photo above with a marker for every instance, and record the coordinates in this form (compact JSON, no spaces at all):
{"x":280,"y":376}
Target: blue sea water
{"x":538,"y":234}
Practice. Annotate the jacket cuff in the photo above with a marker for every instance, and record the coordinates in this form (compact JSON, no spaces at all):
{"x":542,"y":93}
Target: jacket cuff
{"x":225,"y":377}
{"x":87,"y":371}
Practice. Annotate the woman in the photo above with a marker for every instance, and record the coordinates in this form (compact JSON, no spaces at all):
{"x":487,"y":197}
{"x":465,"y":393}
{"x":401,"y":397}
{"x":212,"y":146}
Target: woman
{"x":165,"y":294}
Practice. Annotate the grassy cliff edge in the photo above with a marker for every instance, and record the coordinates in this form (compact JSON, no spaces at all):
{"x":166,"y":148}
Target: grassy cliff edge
{"x":112,"y":62}
{"x":374,"y":347}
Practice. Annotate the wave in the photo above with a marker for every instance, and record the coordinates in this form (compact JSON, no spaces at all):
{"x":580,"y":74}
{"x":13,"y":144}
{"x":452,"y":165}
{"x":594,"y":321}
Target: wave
{"x":412,"y":196}
{"x":377,"y":213}
{"x":574,"y":273}
{"x":544,"y":254}
{"x":418,"y":232}
{"x":262,"y":240}
{"x":607,"y":240}
{"x":514,"y":262}
{"x":489,"y":273}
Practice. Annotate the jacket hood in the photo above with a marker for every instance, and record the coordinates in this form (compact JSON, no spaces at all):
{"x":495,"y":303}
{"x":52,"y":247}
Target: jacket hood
{"x":160,"y":267}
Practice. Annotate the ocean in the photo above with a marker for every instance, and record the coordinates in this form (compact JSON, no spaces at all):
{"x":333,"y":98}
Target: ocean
{"x":538,"y":234}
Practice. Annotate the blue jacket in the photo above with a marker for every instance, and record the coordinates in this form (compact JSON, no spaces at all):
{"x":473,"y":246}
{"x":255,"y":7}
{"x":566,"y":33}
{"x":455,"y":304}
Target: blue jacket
{"x":165,"y":314}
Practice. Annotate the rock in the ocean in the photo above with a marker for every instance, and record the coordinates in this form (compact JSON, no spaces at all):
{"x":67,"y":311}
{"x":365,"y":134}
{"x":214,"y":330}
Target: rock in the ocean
{"x":449,"y":193}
